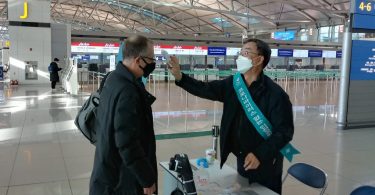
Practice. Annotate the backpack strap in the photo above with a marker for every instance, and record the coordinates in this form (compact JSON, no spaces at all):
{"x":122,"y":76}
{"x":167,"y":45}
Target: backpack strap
{"x":103,"y":81}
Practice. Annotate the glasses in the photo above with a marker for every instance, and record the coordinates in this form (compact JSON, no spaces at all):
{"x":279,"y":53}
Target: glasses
{"x":246,"y":53}
{"x":153,"y":59}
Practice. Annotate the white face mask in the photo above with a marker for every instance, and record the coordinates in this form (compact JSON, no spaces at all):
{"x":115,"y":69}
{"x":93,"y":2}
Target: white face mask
{"x":243,"y":64}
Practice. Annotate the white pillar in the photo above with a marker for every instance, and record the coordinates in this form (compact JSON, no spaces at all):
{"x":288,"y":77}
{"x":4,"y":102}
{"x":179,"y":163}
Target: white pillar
{"x":61,"y":43}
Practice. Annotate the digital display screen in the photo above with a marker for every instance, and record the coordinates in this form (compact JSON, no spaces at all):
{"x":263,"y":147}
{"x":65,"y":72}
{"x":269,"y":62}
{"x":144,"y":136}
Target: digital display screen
{"x":286,"y":36}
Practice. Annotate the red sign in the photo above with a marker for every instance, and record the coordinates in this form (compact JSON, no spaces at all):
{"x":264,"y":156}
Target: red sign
{"x":181,"y":49}
{"x":95,"y":44}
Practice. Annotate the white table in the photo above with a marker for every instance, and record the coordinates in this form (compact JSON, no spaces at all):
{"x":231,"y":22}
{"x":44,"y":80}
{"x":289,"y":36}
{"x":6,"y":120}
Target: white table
{"x":220,"y":180}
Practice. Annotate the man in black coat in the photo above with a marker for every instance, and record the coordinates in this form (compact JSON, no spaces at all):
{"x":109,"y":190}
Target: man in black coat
{"x":125,"y":156}
{"x":258,"y":159}
{"x":54,"y":72}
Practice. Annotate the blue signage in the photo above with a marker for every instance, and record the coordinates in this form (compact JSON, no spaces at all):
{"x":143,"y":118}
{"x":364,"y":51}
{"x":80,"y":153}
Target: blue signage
{"x":285,"y":52}
{"x":1,"y":73}
{"x":315,"y":54}
{"x":364,"y":14}
{"x":365,"y":7}
{"x":363,"y":60}
{"x":338,"y":54}
{"x":363,"y":21}
{"x":217,"y":51}
{"x":160,"y":58}
{"x":86,"y":57}
{"x":286,"y":36}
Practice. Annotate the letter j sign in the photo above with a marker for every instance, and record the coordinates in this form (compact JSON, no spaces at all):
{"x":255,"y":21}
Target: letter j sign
{"x":25,"y":11}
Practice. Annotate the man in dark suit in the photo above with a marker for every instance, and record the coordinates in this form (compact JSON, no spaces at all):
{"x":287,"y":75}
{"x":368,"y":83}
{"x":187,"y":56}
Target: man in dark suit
{"x":125,"y":156}
{"x":258,"y":159}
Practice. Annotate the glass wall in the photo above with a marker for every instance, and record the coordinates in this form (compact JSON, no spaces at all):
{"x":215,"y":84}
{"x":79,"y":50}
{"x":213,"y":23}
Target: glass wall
{"x":198,"y":61}
{"x":231,"y":60}
{"x":303,"y":35}
{"x":215,"y":61}
{"x":324,"y":34}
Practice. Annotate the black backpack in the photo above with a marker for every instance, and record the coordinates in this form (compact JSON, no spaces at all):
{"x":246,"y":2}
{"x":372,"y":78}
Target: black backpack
{"x":86,"y":117}
{"x":50,"y":68}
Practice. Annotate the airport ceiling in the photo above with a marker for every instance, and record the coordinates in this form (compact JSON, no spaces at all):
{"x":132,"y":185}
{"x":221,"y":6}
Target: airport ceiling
{"x":194,"y":17}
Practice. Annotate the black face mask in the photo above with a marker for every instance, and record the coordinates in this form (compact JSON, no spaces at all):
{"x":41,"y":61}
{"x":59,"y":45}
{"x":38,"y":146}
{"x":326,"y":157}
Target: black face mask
{"x":148,"y":69}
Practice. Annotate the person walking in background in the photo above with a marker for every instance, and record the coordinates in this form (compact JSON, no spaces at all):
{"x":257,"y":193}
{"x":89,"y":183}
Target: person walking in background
{"x":54,"y":69}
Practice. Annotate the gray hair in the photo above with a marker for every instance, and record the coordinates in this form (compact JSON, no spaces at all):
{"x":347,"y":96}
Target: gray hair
{"x":135,"y":46}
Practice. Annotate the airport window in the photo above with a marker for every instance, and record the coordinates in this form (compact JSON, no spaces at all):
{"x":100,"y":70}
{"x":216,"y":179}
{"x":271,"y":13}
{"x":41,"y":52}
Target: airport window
{"x":324,"y":34}
{"x":303,"y":35}
{"x":335,"y":34}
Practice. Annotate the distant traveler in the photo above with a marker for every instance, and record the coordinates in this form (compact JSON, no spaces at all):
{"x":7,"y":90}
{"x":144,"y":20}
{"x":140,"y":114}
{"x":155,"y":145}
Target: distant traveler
{"x":54,"y":69}
{"x":125,"y":156}
{"x":258,"y":159}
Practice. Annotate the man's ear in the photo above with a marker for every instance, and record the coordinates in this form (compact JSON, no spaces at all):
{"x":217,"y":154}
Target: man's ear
{"x":137,"y":59}
{"x":259,"y":61}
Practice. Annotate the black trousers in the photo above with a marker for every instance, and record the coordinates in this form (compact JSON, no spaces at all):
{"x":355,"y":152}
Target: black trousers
{"x":53,"y":84}
{"x":271,"y":179}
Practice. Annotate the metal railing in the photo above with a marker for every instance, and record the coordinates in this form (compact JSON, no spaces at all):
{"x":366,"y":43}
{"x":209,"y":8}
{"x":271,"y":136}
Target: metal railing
{"x":90,"y":81}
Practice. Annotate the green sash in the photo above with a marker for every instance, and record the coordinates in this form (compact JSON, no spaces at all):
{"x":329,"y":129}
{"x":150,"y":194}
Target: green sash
{"x":256,"y":117}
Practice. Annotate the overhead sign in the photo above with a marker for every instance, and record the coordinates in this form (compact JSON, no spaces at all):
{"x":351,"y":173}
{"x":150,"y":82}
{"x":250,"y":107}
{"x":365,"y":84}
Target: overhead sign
{"x":85,"y":57}
{"x":361,"y":21}
{"x":199,"y":50}
{"x":180,"y":49}
{"x":273,"y":52}
{"x":95,"y":47}
{"x":284,"y":35}
{"x":299,"y":53}
{"x":217,"y":51}
{"x":233,"y":51}
{"x":315,"y":53}
{"x":25,"y":11}
{"x":365,"y":7}
{"x":338,"y":54}
{"x":94,"y":57}
{"x":160,"y":58}
{"x":364,"y":14}
{"x":285,"y":52}
{"x":363,"y":60}
{"x":329,"y":54}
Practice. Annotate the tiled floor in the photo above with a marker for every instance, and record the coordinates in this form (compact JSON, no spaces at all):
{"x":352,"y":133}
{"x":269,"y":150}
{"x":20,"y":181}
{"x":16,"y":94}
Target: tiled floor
{"x":41,"y":152}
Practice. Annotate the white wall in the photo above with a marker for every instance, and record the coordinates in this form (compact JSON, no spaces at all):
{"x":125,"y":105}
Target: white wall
{"x":29,"y":44}
{"x":5,"y":56}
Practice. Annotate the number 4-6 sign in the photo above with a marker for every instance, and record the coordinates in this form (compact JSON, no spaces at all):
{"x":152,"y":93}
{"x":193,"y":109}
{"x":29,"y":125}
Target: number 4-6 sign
{"x":365,"y":7}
